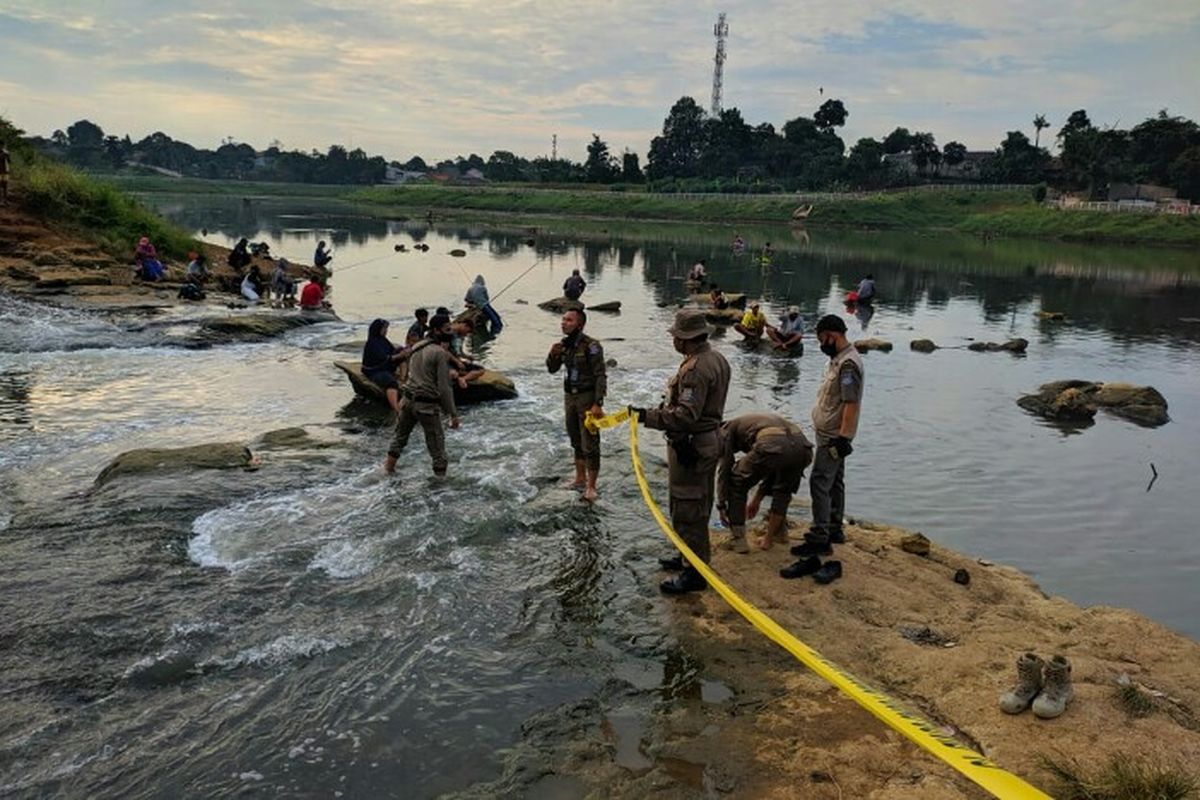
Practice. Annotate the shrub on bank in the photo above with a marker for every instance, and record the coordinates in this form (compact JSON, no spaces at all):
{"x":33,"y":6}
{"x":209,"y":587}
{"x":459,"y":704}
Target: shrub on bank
{"x":59,"y":193}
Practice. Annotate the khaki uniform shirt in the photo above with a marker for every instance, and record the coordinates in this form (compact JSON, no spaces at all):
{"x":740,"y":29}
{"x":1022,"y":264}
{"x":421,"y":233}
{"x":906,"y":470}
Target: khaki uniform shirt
{"x":585,"y":368}
{"x":740,"y":434}
{"x":844,"y":368}
{"x":429,"y":376}
{"x":695,"y":395}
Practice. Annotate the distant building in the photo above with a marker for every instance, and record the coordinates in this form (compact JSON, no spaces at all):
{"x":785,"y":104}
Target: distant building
{"x":399,"y":175}
{"x":971,"y":168}
{"x":1140,"y":191}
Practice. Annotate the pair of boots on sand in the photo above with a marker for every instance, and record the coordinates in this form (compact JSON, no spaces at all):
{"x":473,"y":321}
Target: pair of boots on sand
{"x":1044,"y":685}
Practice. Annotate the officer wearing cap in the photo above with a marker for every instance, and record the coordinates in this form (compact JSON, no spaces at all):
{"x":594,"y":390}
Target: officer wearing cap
{"x":691,"y":417}
{"x":835,"y":421}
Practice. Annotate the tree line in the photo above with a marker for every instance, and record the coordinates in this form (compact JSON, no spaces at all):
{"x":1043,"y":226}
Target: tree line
{"x":697,"y":151}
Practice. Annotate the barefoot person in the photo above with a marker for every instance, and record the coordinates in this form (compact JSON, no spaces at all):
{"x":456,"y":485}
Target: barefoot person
{"x":777,"y":453}
{"x":753,"y":323}
{"x":584,"y":385}
{"x":427,"y":394}
{"x":789,"y":336}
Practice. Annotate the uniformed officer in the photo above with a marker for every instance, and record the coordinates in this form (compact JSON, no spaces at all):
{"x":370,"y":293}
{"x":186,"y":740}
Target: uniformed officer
{"x":584,"y":387}
{"x":835,"y":421}
{"x":777,"y":453}
{"x":426,"y":394}
{"x":691,"y":416}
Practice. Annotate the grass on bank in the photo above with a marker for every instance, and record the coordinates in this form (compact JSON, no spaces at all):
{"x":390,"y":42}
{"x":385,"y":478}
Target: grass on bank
{"x":60,"y":194}
{"x":134,"y":182}
{"x":1122,"y":778}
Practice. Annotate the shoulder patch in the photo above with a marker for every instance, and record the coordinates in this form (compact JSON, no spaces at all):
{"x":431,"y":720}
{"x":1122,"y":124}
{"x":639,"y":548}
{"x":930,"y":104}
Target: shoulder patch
{"x":594,"y":348}
{"x":849,"y":378}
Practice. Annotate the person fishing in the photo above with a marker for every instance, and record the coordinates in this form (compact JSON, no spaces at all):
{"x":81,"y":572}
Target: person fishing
{"x":573,"y":286}
{"x":379,"y":359}
{"x":239,"y":257}
{"x":477,"y":297}
{"x":322,"y":257}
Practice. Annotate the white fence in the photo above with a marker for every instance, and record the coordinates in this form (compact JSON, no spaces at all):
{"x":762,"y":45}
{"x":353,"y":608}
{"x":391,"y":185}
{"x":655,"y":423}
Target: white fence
{"x":1180,"y":208}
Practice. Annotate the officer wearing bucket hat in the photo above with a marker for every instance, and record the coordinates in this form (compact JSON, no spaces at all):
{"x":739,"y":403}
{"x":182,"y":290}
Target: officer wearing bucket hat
{"x":691,"y":417}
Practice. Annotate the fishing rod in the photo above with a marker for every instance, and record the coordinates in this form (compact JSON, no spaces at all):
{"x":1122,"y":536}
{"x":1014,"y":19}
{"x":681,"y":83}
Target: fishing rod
{"x":541,"y":258}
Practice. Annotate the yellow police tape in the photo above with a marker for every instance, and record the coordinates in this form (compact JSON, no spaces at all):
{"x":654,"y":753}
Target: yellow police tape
{"x":921,"y":732}
{"x":596,"y":424}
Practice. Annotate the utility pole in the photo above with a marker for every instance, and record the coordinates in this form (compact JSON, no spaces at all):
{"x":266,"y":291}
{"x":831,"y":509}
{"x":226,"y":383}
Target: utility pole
{"x":720,"y":30}
{"x":554,"y":147}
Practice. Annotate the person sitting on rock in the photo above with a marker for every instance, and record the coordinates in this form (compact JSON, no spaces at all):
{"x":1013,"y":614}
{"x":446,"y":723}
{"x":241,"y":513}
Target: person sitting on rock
{"x":261,"y":249}
{"x":419,"y":329}
{"x":252,"y":285}
{"x":753,"y":323}
{"x":788,"y":335}
{"x":573,"y":286}
{"x":477,"y":297}
{"x":197,"y":268}
{"x":379,"y":360}
{"x":699,"y":272}
{"x":283,"y":287}
{"x":149,"y":268}
{"x":463,"y":369}
{"x":312,"y":298}
{"x":717,"y":298}
{"x":239,"y":257}
{"x":322,"y":257}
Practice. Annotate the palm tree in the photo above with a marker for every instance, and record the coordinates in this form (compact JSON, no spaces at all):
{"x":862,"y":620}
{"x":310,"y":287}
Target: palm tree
{"x":1039,"y":122}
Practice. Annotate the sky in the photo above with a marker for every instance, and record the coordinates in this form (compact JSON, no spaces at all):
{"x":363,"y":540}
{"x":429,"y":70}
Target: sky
{"x":441,"y":78}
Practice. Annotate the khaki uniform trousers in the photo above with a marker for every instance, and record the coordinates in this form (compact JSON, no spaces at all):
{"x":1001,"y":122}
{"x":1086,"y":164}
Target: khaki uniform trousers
{"x":429,"y":417}
{"x":691,"y":493}
{"x":585,"y":443}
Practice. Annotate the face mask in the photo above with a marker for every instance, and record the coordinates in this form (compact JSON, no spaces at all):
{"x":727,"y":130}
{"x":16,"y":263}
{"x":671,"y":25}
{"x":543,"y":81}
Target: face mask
{"x":829,"y":349}
{"x":446,"y":338}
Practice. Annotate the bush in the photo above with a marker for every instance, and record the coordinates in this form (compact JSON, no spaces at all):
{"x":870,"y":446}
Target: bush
{"x":59,"y":193}
{"x":1039,"y":193}
{"x":1121,"y":778}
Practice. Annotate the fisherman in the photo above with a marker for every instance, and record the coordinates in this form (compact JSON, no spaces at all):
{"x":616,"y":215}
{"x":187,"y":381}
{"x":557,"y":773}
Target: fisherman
{"x":283,"y":287}
{"x":739,"y":244}
{"x":427,"y":394}
{"x":321,"y":256}
{"x":149,"y":268}
{"x":477,"y":296}
{"x":312,"y":297}
{"x":573,"y":286}
{"x":379,"y":359}
{"x":197,"y":268}
{"x":5,"y":167}
{"x":699,"y":271}
{"x":790,"y":333}
{"x":584,"y":387}
{"x":777,"y":453}
{"x":835,"y":421}
{"x":462,"y":368}
{"x":419,"y":329}
{"x":239,"y":257}
{"x":691,"y":417}
{"x":717,"y":298}
{"x":866,"y":289}
{"x":767,"y":259}
{"x":753,"y":323}
{"x":252,"y":284}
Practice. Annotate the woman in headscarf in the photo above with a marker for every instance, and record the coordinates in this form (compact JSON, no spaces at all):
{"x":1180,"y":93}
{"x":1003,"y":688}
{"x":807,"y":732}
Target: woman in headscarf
{"x":149,"y":268}
{"x":379,"y":362}
{"x":477,"y":296}
{"x":252,"y":285}
{"x":239,"y":257}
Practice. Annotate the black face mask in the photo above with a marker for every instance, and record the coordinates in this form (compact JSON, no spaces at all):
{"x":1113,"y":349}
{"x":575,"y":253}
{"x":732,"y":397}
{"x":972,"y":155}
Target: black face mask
{"x":445,"y":338}
{"x":571,"y":338}
{"x":829,"y":348}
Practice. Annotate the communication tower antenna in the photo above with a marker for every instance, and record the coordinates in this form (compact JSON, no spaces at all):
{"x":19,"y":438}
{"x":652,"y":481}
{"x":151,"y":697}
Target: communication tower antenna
{"x":720,"y":30}
{"x":554,"y":147}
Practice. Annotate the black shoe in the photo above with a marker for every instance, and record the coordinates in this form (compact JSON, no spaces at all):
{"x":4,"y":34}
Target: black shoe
{"x":805,"y":566}
{"x":807,"y":549}
{"x":687,"y":581}
{"x":837,"y":536}
{"x":829,"y":572}
{"x":673,"y":564}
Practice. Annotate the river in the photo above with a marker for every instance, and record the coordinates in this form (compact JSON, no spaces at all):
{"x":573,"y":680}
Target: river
{"x":311,"y":629}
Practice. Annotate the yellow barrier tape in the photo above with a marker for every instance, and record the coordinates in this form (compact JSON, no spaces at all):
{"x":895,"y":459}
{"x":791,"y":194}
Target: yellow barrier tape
{"x":596,"y":424}
{"x":920,"y":731}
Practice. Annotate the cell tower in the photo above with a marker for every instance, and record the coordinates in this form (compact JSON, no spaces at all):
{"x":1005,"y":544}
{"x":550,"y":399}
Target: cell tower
{"x":720,"y":30}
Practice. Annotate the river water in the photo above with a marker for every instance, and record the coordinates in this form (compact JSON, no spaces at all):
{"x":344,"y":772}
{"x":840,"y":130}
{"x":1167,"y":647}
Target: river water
{"x":312,"y":629}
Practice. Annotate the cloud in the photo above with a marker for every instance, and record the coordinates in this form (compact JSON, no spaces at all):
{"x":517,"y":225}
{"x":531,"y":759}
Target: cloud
{"x":444,"y":77}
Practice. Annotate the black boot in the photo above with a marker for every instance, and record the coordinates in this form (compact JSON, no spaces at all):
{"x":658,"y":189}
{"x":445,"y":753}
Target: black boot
{"x":672,"y":564}
{"x":829,"y":572}
{"x":805,"y":566}
{"x":811,"y":549}
{"x":687,"y":581}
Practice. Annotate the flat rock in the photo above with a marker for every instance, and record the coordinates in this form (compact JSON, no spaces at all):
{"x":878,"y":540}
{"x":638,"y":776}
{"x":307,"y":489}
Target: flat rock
{"x":1017,"y":345}
{"x":560,"y":305}
{"x":612,"y":305}
{"x":489,"y":386}
{"x":1076,"y":400}
{"x":867,"y":345}
{"x":923,"y":345}
{"x":221,"y":455}
{"x":915,"y":543}
{"x":723,"y":316}
{"x":257,"y":326}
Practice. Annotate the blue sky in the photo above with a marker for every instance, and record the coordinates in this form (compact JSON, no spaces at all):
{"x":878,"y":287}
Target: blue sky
{"x":446,"y":77}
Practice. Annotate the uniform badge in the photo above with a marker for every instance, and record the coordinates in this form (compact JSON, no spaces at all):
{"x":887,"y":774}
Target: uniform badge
{"x":687,"y":395}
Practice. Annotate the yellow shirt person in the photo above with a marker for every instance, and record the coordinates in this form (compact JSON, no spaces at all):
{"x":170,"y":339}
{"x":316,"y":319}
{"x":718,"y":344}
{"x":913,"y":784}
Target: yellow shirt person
{"x":754,"y":319}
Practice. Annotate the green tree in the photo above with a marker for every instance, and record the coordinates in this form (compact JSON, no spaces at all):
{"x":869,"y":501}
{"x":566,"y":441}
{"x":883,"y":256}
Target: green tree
{"x":864,"y":164}
{"x":1155,"y":144}
{"x":503,"y":165}
{"x":600,"y":167}
{"x":676,"y":153}
{"x":898,"y":141}
{"x":1184,"y":174}
{"x":954,"y":153}
{"x":924,"y":150}
{"x":726,"y":144}
{"x":1039,"y":123}
{"x":631,"y":170}
{"x":1018,"y":161}
{"x":832,"y":114}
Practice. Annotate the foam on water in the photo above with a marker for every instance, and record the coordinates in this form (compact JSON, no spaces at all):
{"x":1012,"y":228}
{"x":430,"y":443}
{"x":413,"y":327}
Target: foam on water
{"x":282,"y":649}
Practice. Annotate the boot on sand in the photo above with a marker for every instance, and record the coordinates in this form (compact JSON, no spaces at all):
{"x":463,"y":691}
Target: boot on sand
{"x":1057,"y":690}
{"x":1029,"y":683}
{"x":737,"y":540}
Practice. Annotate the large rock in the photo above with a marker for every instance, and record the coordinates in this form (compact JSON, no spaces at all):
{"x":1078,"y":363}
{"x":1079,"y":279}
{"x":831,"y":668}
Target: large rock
{"x":923,"y":345}
{"x":867,"y":345}
{"x":1077,"y":401}
{"x":612,"y":305}
{"x":491,"y":385}
{"x":222,"y":455}
{"x":64,"y":279}
{"x":723,"y":316}
{"x":561,"y":305}
{"x":1017,"y":345}
{"x":734,"y":300}
{"x":256,"y":327}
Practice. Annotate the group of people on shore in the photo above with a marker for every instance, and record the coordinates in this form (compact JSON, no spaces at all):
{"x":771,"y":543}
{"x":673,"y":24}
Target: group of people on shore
{"x":709,"y":458}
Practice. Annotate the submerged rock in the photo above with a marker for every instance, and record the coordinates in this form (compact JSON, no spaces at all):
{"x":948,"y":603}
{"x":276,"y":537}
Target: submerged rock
{"x":612,"y":305}
{"x":1052,"y":316}
{"x":257,"y":327}
{"x":723,"y":316}
{"x":221,"y":455}
{"x":1076,"y":400}
{"x":1017,"y":345}
{"x":560,"y":305}
{"x":457,"y":253}
{"x":866,"y":345}
{"x":923,"y":345}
